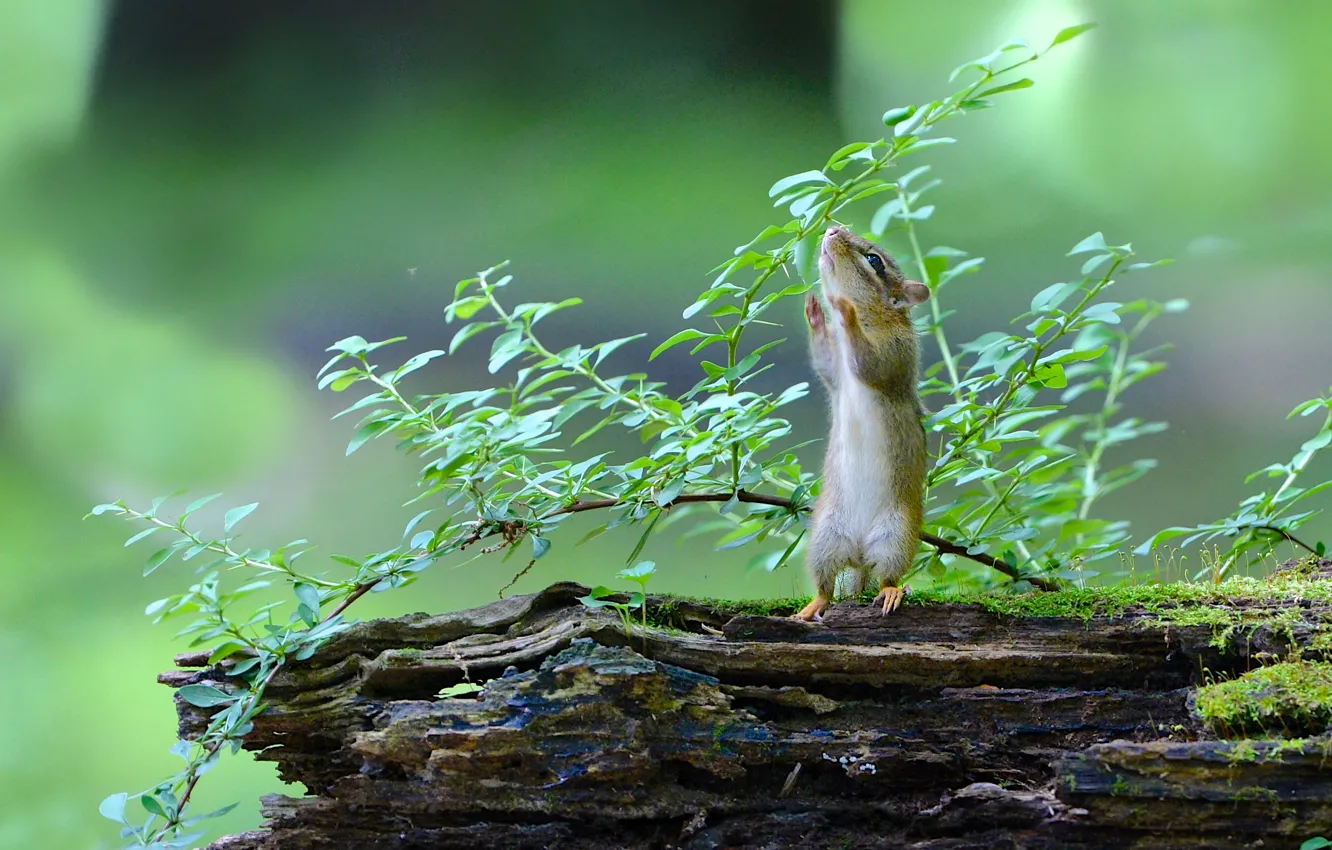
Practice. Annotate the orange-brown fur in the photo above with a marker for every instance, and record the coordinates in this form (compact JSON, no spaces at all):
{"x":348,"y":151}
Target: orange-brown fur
{"x":869,"y":513}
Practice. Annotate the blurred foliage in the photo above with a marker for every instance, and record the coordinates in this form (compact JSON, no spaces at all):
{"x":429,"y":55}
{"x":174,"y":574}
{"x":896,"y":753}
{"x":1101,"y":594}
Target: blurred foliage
{"x":142,"y":245}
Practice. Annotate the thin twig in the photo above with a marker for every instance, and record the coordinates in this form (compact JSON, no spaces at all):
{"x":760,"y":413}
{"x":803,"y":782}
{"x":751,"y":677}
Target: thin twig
{"x":515,"y":579}
{"x":258,"y":688}
{"x":359,"y":591}
{"x":688,"y":498}
{"x":946,"y":547}
{"x":1281,"y":532}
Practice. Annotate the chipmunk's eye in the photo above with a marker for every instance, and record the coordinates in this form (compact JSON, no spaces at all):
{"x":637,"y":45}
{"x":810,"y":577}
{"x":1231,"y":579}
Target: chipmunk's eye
{"x":876,"y":263}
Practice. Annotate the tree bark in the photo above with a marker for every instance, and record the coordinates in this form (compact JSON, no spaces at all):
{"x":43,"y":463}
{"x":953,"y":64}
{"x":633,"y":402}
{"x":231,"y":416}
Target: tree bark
{"x":940,"y":726}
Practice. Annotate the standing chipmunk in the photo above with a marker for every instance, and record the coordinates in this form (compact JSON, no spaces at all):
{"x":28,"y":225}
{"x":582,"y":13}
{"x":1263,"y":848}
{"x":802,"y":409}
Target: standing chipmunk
{"x":869,"y":512}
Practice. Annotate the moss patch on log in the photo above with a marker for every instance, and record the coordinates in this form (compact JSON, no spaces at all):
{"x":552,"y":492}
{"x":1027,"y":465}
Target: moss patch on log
{"x":1276,"y":602}
{"x":1292,"y":698}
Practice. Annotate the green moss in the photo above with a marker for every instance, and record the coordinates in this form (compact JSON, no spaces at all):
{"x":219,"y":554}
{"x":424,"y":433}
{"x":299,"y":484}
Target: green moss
{"x":669,"y":613}
{"x":1224,"y":607}
{"x":1242,"y":751}
{"x":1183,"y":603}
{"x":1255,"y":793}
{"x":1289,"y":698}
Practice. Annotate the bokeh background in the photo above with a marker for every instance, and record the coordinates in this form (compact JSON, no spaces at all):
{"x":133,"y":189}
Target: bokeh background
{"x":197,"y":198}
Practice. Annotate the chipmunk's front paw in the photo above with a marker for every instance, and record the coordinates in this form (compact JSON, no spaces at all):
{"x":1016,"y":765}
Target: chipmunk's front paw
{"x":818,"y":322}
{"x":890,"y":598}
{"x":813,"y":612}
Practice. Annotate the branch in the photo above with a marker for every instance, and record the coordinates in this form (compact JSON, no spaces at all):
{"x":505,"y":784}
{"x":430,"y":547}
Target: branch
{"x":1281,"y":532}
{"x":946,"y":547}
{"x":257,"y":689}
{"x":739,"y":495}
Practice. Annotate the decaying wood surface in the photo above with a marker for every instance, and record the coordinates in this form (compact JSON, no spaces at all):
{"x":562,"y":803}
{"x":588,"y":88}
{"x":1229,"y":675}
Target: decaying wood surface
{"x":940,"y":726}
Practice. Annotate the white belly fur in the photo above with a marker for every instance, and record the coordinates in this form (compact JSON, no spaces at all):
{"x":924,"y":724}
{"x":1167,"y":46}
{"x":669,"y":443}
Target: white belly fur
{"x":860,"y":446}
{"x":858,"y":461}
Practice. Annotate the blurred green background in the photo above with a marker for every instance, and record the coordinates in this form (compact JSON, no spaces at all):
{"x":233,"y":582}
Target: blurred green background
{"x":195,"y":199}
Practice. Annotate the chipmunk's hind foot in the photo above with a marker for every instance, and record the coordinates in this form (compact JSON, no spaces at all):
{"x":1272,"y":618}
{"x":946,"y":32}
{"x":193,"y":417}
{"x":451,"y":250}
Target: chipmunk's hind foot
{"x":890,"y":598}
{"x":813,"y":612}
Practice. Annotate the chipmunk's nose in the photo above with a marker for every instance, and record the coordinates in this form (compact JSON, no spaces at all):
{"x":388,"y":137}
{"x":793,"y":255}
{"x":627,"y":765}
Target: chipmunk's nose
{"x":835,"y":235}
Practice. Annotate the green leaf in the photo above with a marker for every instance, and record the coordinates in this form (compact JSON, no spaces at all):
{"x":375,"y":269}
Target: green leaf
{"x":604,"y":350}
{"x":647,"y":532}
{"x":197,"y":504}
{"x":733,"y":542}
{"x":1105,"y":311}
{"x":921,"y":144}
{"x":807,"y":257}
{"x":1317,"y":442}
{"x":468,"y":307}
{"x":1053,"y":295}
{"x":796,"y":180}
{"x":343,"y":379}
{"x":836,"y":160}
{"x":1013,"y":86}
{"x":351,"y":345}
{"x":1304,"y":408}
{"x":217,"y":813}
{"x":965,"y":267}
{"x":703,"y":301}
{"x":113,"y":807}
{"x":159,"y":558}
{"x":461,"y":689}
{"x":540,"y":546}
{"x":669,"y":492}
{"x":598,"y":598}
{"x":676,"y":339}
{"x":893,"y":117}
{"x":142,"y":534}
{"x":640,"y":572}
{"x":364,"y":434}
{"x":911,"y":123}
{"x":308,"y":595}
{"x":468,"y":331}
{"x":235,"y":515}
{"x":152,"y":806}
{"x":506,"y":346}
{"x":1070,"y":33}
{"x":1095,"y":242}
{"x":1051,"y":375}
{"x":593,"y":534}
{"x":415,"y":362}
{"x":205,"y":696}
{"x":225,"y":651}
{"x":1095,"y":263}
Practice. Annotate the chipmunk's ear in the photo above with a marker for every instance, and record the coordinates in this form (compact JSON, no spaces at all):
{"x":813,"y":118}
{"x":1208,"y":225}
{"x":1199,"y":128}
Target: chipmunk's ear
{"x":915,"y":293}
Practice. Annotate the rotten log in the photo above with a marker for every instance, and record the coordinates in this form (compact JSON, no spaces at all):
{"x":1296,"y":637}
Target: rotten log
{"x":941,"y":726}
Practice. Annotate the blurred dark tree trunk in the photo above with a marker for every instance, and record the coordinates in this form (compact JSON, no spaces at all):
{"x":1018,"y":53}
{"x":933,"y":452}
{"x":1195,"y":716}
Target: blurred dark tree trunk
{"x":525,"y":48}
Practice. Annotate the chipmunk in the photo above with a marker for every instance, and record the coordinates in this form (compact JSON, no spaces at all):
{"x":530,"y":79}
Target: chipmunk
{"x":869,"y":512}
